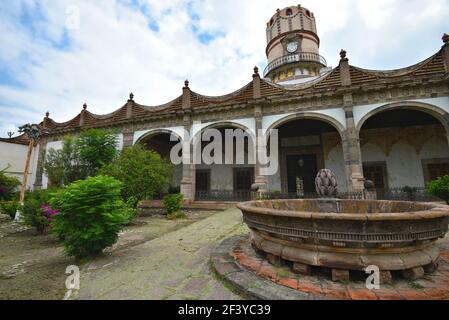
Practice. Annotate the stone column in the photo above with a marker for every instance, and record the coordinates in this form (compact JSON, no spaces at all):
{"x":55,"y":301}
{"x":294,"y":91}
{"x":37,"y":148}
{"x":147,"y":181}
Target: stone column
{"x":188,"y":166}
{"x":261,"y":180}
{"x":128,"y":138}
{"x":351,"y":150}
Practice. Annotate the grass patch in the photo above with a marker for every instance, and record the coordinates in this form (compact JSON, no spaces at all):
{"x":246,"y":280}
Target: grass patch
{"x":177,"y":216}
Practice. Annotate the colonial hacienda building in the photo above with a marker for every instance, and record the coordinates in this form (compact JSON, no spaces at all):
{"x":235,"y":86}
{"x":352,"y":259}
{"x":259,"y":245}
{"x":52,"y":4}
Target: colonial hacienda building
{"x":390,"y":127}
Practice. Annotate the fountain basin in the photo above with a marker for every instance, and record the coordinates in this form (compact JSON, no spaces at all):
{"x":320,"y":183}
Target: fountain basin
{"x":348,"y":234}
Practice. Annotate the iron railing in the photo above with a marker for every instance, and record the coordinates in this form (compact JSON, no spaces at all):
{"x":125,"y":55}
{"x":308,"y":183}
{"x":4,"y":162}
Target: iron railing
{"x":395,"y":194}
{"x":224,"y":195}
{"x":292,"y":58}
{"x":406,"y":194}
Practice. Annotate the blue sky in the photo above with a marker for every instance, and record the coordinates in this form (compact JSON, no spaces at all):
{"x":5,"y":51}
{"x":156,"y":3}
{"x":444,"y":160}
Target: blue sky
{"x":57,"y":54}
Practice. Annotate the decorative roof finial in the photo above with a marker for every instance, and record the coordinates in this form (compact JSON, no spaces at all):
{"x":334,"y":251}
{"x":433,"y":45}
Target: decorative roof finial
{"x":256,"y":71}
{"x":84,"y":106}
{"x":47,"y":114}
{"x":343,"y":54}
{"x":131,"y":96}
{"x":446,"y":38}
{"x":186,"y":83}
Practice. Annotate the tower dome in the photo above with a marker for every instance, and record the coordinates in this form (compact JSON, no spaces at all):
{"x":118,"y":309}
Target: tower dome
{"x":293,"y":45}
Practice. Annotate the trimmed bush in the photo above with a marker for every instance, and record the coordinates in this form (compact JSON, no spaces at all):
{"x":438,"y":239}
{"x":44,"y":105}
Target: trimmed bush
{"x":173,"y":203}
{"x":91,"y":214}
{"x":9,"y":208}
{"x":440,"y":188}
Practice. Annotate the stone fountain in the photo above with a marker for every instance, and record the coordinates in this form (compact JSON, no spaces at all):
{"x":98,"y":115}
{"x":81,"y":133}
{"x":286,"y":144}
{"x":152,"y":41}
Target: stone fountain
{"x":348,"y":235}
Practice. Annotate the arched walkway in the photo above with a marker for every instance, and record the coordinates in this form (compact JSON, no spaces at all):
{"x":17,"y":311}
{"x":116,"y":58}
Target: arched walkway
{"x":395,"y":150}
{"x":228,"y":173}
{"x":162,"y":141}
{"x":307,"y":142}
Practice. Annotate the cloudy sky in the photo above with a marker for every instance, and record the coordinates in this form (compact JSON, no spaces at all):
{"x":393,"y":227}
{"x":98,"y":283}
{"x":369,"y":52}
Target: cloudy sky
{"x":57,"y":54}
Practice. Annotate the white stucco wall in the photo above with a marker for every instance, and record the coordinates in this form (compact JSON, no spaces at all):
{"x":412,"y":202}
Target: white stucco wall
{"x":15,"y":155}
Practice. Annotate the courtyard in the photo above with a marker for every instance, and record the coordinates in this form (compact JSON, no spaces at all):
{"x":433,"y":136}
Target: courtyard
{"x":155,"y":258}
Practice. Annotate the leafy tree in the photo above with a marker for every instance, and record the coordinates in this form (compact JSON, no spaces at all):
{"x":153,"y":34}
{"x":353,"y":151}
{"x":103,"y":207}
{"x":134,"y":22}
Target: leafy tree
{"x":96,"y":148}
{"x":80,"y":157}
{"x":142,"y":172}
{"x":91,"y":213}
{"x":440,"y":188}
{"x":63,"y":166}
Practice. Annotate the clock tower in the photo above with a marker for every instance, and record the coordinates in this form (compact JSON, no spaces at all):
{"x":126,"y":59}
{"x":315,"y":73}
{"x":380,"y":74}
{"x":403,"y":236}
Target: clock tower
{"x":293,"y":46}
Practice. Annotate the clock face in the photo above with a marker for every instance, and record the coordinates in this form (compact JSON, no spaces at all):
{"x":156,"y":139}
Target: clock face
{"x":292,"y":47}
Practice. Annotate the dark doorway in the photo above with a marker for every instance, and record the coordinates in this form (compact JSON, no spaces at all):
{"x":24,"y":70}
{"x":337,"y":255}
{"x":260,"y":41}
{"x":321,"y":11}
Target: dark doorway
{"x":437,"y":170}
{"x":377,"y":173}
{"x":202,"y":180}
{"x":243,"y":179}
{"x":301,"y":168}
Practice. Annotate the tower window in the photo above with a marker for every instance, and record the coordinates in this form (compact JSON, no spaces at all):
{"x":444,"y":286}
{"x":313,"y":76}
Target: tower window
{"x":271,"y":22}
{"x":289,"y":12}
{"x":308,"y":13}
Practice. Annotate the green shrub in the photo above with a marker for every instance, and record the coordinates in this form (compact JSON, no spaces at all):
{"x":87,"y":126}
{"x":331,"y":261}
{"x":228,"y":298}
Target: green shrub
{"x":173,"y":203}
{"x":91,"y":214}
{"x":36,"y":211}
{"x":8,"y":186}
{"x":9,"y":208}
{"x":142,"y":173}
{"x":440,"y":188}
{"x":132,"y":204}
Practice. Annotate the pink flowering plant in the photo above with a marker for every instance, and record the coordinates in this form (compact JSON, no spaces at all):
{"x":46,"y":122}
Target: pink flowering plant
{"x":37,"y":212}
{"x":48,"y":212}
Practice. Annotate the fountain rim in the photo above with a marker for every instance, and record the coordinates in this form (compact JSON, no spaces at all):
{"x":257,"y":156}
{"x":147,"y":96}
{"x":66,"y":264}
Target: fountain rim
{"x":434,"y":211}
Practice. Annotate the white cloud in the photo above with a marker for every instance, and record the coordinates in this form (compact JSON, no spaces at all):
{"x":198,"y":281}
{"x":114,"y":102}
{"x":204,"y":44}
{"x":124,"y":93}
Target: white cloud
{"x":115,"y":51}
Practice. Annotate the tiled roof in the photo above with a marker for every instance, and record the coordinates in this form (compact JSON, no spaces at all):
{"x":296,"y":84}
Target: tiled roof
{"x":433,"y":66}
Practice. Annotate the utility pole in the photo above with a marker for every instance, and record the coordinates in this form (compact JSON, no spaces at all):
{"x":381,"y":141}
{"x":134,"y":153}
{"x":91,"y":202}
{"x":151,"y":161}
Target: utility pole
{"x":34,"y":133}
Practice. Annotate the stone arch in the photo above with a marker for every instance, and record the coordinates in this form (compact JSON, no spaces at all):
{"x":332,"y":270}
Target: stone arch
{"x":223,"y":124}
{"x":438,"y":113}
{"x":309,"y":116}
{"x":155,"y":132}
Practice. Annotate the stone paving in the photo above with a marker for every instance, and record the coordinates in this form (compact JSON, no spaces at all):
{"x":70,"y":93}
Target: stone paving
{"x":243,"y":260}
{"x":172,"y":266}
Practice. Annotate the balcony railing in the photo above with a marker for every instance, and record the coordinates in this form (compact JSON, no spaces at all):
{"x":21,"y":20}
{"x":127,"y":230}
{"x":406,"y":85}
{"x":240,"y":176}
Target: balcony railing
{"x":292,"y":58}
